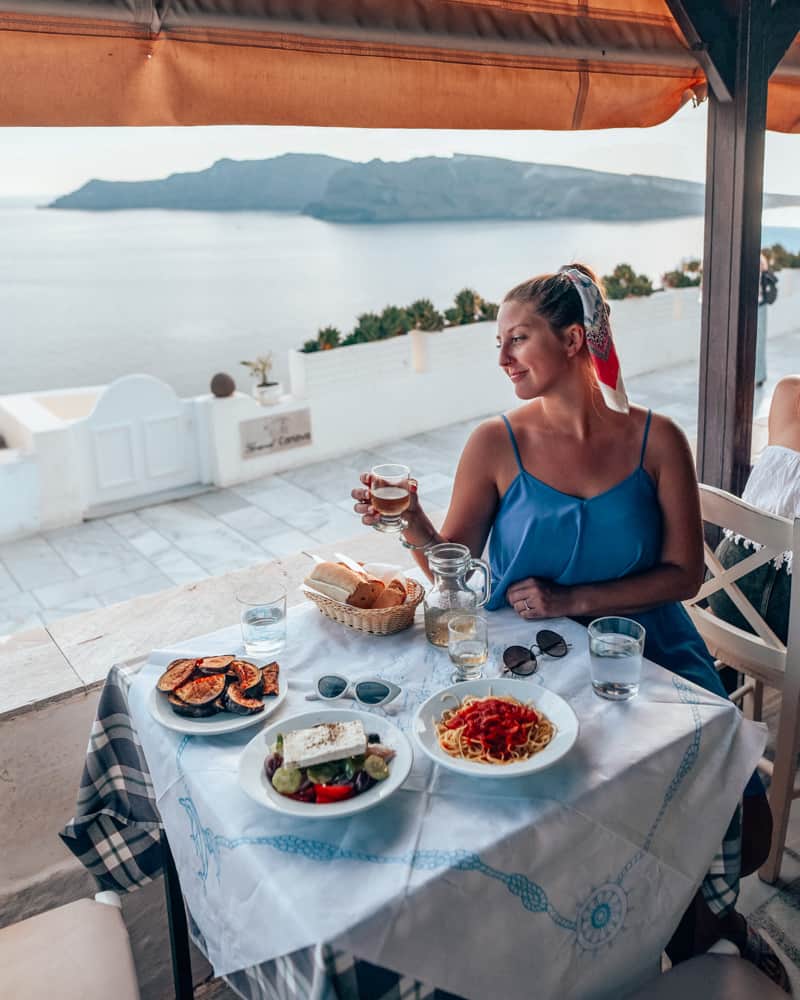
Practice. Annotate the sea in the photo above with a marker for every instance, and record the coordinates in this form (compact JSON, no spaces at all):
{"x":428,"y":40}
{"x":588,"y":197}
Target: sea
{"x":86,"y":297}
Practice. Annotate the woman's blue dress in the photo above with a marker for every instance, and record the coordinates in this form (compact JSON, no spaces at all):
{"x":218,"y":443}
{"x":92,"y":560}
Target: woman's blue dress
{"x":541,"y":532}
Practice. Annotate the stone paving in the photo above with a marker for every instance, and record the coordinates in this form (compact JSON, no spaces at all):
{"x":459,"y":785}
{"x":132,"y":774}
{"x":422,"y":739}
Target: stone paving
{"x":61,"y":573}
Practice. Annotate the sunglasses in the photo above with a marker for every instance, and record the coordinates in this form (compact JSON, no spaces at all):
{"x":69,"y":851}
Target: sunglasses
{"x":371,"y":691}
{"x":521,"y":660}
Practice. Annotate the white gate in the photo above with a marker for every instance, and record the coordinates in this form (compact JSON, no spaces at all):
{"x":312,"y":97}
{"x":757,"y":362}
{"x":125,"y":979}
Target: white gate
{"x":139,"y":439}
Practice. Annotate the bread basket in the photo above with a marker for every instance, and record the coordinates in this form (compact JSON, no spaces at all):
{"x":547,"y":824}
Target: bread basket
{"x":378,"y":621}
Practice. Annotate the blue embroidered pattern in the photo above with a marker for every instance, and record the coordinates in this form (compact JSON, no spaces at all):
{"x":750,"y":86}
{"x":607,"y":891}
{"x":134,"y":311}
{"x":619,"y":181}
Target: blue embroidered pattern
{"x":598,"y":920}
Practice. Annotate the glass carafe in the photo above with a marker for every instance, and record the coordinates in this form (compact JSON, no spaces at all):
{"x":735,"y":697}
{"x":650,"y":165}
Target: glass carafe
{"x":450,"y":595}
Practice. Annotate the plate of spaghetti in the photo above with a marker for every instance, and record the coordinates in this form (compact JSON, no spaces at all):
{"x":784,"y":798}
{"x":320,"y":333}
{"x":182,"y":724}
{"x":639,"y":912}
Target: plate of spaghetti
{"x":496,"y":727}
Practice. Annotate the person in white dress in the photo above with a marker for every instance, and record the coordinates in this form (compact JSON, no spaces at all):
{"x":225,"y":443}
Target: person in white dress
{"x":774,"y":486}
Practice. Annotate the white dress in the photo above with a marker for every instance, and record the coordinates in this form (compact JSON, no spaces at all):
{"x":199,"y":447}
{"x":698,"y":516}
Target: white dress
{"x":774,"y":486}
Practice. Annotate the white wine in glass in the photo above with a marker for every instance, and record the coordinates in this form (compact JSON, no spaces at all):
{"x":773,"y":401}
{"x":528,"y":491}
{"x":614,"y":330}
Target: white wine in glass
{"x":389,"y":494}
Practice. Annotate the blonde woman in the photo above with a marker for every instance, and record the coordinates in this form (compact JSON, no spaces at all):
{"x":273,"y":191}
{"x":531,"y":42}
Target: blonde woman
{"x":590,"y":507}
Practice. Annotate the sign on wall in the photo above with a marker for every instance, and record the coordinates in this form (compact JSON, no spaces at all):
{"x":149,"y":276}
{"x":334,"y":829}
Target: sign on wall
{"x":268,"y":435}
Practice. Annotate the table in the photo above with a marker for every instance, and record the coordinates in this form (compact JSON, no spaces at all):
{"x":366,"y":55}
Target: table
{"x":572,"y":880}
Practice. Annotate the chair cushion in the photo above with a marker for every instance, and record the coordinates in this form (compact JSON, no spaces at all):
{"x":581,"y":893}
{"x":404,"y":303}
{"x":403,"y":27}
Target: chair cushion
{"x":711,"y":977}
{"x":76,"y":952}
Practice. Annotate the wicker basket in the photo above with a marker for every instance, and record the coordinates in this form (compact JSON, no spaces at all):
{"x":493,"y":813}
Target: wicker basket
{"x":378,"y":621}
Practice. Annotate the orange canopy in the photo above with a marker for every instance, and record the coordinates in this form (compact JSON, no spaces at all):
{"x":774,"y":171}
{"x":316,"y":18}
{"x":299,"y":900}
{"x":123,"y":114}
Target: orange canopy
{"x":459,"y":64}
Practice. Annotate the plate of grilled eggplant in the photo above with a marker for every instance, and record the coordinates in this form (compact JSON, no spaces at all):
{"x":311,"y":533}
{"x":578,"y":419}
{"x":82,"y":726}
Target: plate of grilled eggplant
{"x":216,"y":694}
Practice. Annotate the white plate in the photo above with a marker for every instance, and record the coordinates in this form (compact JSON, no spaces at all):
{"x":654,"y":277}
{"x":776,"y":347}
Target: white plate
{"x":222,"y":722}
{"x":555,"y":708}
{"x":253,"y":777}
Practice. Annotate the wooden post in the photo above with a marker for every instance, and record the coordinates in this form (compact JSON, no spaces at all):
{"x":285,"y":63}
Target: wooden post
{"x":739,"y":45}
{"x":734,"y":188}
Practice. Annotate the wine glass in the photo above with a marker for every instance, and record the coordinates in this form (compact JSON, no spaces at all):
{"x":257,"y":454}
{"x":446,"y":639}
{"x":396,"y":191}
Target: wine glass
{"x":389,"y":495}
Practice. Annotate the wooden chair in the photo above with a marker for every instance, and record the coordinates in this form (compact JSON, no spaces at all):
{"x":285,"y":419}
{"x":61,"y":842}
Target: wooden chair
{"x":761,"y":656}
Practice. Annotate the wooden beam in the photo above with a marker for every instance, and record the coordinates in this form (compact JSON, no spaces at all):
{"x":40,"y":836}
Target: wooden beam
{"x":734,"y":189}
{"x":711,"y":34}
{"x":784,"y":24}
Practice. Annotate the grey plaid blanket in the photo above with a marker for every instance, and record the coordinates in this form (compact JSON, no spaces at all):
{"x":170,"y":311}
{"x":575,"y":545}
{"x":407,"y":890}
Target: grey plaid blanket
{"x":116,"y":835}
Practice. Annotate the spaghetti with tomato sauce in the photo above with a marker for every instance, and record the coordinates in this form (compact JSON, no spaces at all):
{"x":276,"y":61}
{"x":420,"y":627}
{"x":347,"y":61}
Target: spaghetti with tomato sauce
{"x":496,"y":729}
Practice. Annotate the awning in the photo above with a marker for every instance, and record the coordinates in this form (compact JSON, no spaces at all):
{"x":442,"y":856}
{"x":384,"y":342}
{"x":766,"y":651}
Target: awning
{"x":456,"y":64}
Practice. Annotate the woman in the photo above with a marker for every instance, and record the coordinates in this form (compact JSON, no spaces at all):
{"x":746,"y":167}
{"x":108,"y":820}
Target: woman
{"x":593,"y":509}
{"x":774,"y":486}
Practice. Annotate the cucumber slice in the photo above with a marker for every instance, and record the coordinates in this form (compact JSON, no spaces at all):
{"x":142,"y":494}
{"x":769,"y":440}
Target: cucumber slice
{"x":287,"y":780}
{"x":321,"y":774}
{"x":376,"y":767}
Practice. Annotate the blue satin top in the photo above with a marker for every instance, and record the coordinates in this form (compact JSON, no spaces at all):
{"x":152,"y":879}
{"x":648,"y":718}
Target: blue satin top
{"x":541,"y":532}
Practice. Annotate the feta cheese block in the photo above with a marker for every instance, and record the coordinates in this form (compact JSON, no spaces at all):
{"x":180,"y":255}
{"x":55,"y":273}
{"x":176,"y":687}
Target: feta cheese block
{"x":324,"y":742}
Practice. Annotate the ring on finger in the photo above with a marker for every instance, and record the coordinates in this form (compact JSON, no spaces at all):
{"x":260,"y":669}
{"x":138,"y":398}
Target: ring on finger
{"x":527,"y":606}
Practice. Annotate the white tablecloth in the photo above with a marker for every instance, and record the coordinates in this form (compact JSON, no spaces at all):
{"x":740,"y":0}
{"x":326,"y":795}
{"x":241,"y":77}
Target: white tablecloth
{"x":564,"y":884}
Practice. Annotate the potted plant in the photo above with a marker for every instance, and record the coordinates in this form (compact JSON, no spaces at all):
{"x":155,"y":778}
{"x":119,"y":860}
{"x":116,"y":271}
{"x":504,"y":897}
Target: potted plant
{"x":265,"y":391}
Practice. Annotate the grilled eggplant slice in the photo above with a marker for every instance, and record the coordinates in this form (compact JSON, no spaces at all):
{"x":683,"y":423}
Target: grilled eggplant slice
{"x":248,"y":676}
{"x":214,"y":664}
{"x":201,"y":689}
{"x":269,"y":679}
{"x":236,"y":701}
{"x":177,"y":673}
{"x":181,"y":707}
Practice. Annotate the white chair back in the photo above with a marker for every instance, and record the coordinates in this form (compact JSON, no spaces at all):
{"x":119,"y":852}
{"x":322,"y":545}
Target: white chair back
{"x":761,"y":655}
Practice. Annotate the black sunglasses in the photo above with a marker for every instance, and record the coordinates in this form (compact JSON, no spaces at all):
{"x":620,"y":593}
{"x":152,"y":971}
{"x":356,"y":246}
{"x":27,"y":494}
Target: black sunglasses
{"x":521,"y":660}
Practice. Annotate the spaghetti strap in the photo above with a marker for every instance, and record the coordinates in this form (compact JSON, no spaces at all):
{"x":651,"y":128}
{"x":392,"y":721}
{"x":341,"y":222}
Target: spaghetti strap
{"x":644,"y":436}
{"x":513,"y":442}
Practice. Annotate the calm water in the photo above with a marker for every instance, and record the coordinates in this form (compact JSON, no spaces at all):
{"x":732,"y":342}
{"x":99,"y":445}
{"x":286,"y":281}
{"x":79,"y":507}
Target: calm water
{"x":86,"y":297}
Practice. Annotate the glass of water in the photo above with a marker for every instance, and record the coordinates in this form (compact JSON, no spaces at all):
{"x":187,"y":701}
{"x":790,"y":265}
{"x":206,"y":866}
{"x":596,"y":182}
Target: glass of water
{"x":263,"y":616}
{"x":468,"y":646}
{"x":615,"y":651}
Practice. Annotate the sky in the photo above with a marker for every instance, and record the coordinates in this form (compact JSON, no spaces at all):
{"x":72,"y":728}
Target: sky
{"x":39,"y":162}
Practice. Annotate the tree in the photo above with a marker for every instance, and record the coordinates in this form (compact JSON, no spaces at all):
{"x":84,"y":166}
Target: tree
{"x":328,"y":338}
{"x":424,"y":315}
{"x":624,"y":282}
{"x":468,"y":304}
{"x":394,"y":322}
{"x":368,"y":327}
{"x":779,"y":257}
{"x":680,"y":279}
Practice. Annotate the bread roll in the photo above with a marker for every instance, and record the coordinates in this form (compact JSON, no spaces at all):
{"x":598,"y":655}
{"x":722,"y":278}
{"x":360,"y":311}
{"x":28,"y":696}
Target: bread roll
{"x":366,"y":594}
{"x":393,"y":596}
{"x":341,"y":584}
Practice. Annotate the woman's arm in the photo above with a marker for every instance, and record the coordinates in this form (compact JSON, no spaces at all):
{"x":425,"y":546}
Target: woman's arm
{"x":473,"y":501}
{"x":784,"y":413}
{"x":679,"y":573}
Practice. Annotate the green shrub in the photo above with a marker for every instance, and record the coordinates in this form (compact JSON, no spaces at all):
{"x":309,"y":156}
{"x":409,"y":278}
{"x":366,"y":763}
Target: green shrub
{"x":680,"y":279}
{"x":396,"y":321}
{"x":424,"y":315}
{"x":779,"y":257}
{"x":624,"y":282}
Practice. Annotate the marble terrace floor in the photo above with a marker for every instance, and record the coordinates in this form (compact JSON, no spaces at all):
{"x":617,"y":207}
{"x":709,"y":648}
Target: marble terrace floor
{"x":64,"y":572}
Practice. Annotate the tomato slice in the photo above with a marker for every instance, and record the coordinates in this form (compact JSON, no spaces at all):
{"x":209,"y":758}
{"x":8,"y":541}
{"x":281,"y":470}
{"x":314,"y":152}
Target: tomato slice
{"x":333,"y":793}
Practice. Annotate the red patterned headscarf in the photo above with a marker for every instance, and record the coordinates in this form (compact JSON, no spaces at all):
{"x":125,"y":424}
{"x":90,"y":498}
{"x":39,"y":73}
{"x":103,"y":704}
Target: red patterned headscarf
{"x":599,"y":340}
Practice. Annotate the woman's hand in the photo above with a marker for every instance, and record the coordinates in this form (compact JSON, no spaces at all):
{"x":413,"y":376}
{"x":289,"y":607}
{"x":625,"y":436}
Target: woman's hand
{"x":536,"y":598}
{"x":368,"y":513}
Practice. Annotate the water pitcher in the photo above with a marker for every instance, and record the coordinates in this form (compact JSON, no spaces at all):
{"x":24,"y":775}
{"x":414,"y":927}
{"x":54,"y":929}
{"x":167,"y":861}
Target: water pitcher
{"x":450,"y":595}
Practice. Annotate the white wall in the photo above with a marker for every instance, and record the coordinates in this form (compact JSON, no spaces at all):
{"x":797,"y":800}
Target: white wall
{"x":359,"y":397}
